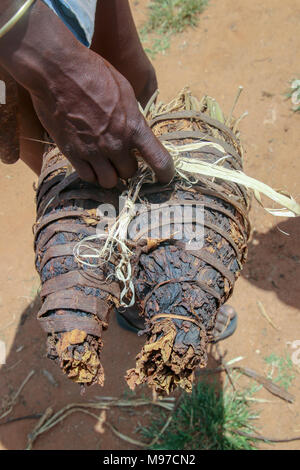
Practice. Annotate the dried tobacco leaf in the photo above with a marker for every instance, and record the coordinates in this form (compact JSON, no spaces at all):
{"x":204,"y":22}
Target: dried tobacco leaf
{"x":179,"y":289}
{"x":77,"y":300}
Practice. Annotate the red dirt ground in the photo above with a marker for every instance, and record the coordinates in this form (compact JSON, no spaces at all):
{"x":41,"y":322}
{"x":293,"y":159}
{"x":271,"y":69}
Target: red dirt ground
{"x":237,"y":42}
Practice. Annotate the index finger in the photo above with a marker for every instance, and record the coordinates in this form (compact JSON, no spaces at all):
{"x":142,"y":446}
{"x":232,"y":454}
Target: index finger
{"x":154,"y":153}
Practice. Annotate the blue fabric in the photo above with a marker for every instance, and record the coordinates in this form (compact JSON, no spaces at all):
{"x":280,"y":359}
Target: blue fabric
{"x":78,"y":16}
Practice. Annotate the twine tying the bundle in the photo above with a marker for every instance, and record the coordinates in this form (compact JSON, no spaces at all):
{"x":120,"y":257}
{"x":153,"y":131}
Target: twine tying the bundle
{"x":188,"y":169}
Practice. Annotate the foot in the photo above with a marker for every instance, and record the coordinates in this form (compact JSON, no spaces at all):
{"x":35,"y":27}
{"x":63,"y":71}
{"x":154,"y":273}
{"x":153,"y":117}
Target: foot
{"x":129,"y":319}
{"x":226,"y":323}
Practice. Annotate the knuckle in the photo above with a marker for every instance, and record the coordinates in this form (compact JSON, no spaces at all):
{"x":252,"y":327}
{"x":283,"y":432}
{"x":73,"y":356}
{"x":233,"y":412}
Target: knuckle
{"x":137,"y":126}
{"x":108,"y":183}
{"x":115,"y":146}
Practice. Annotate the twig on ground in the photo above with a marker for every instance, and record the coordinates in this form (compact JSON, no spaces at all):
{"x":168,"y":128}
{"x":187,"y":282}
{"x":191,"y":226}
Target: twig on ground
{"x":13,"y":365}
{"x":124,"y":437}
{"x":221,"y":358}
{"x":49,"y":420}
{"x":21,"y":418}
{"x":163,"y":429}
{"x":267,"y":384}
{"x":264,"y":314}
{"x":13,"y":400}
{"x":266,"y":439}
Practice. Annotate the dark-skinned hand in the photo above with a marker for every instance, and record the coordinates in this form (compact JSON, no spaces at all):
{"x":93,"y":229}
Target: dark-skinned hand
{"x":84,"y":103}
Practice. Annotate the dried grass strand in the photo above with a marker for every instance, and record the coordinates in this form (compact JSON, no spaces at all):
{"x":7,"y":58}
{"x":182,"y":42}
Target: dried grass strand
{"x":188,"y":170}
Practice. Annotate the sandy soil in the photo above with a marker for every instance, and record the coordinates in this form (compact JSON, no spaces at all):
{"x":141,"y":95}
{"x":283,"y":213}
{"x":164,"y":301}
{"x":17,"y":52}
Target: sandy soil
{"x":238,"y":42}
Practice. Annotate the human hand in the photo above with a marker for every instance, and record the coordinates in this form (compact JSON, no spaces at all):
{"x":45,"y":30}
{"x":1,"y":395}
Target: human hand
{"x":84,"y":103}
{"x":93,"y":116}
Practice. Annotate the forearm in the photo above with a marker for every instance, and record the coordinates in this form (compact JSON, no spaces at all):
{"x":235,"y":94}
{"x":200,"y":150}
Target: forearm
{"x":83,"y":102}
{"x":117,"y":40}
{"x":37,"y":47}
{"x":9,"y":8}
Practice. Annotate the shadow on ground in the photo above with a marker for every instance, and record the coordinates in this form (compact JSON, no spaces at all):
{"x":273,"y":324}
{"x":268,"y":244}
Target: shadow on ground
{"x":273,"y":264}
{"x":274,"y":261}
{"x":48,"y":387}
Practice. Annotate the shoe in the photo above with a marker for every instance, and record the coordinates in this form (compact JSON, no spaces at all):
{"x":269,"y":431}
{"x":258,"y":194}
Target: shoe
{"x":226,"y":323}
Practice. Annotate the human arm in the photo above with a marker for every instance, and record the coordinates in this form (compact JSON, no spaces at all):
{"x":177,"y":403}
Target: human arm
{"x":84,"y":103}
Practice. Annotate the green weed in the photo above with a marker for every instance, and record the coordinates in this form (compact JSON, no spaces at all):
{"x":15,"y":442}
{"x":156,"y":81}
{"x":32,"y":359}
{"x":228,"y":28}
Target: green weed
{"x":206,"y":419}
{"x":167,"y":17}
{"x":281,"y":370}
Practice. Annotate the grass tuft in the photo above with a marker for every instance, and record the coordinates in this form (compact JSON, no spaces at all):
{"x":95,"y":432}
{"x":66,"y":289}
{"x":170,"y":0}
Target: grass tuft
{"x":167,"y":17}
{"x":173,"y":16}
{"x":281,"y":370}
{"x":205,"y":420}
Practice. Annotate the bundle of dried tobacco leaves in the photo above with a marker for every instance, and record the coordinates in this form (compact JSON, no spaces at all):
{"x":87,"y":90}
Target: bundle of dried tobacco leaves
{"x":178,"y":266}
{"x":76,"y":299}
{"x":180,"y":286}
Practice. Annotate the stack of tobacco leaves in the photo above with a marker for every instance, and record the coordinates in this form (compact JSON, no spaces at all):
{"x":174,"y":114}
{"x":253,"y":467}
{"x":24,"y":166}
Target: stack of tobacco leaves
{"x":180,"y":287}
{"x":76,"y":299}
